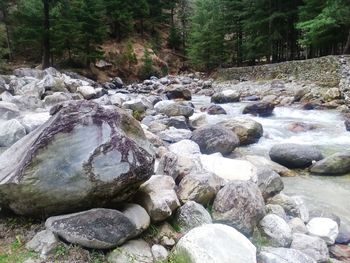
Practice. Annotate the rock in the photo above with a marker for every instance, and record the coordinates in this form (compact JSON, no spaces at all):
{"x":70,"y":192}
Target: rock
{"x":301,"y":127}
{"x":262,"y":161}
{"x":118,"y":99}
{"x":297,"y":225}
{"x":55,"y":169}
{"x":88,"y":92}
{"x":336,"y":164}
{"x":170,"y":108}
{"x":191,"y":215}
{"x":344,"y":235}
{"x":304,"y":213}
{"x":294,"y":155}
{"x":214,"y":138}
{"x":262,"y":109}
{"x":276,"y":210}
{"x":215,"y":243}
{"x":198,"y":120}
{"x":172,"y":135}
{"x":29,"y":72}
{"x":159,"y":253}
{"x":340,"y":252}
{"x":138,"y":215}
{"x":324,"y":213}
{"x":325,"y":228}
{"x":8,"y":110}
{"x":283,"y":255}
{"x":154,"y":139}
{"x":200,"y":187}
{"x":32,"y":121}
{"x":276,"y":230}
{"x":240,"y":205}
{"x":44,"y":243}
{"x":135,"y":105}
{"x":131,"y":252}
{"x":185,"y":147}
{"x":226,"y":96}
{"x":178,"y":122}
{"x":247,"y":130}
{"x":332,"y":94}
{"x":178,"y":166}
{"x":215,"y":110}
{"x":314,"y":247}
{"x":269,"y":182}
{"x":178,"y":92}
{"x":229,"y":169}
{"x":56,"y":98}
{"x":158,"y":197}
{"x":97,"y":228}
{"x":118,"y":82}
{"x":166,"y":235}
{"x":102,"y":64}
{"x":289,"y":204}
{"x":10,"y":132}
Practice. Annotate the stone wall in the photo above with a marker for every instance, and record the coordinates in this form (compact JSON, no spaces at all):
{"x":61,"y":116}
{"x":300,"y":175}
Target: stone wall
{"x":325,"y":71}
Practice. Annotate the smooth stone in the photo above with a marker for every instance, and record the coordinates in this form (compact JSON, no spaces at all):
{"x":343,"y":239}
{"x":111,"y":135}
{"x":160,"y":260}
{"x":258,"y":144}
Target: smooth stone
{"x":131,"y":252}
{"x":262,"y":109}
{"x":44,"y":243}
{"x":226,"y":96}
{"x":138,"y":215}
{"x":276,"y":230}
{"x":325,"y":228}
{"x":336,"y":164}
{"x":159,"y":253}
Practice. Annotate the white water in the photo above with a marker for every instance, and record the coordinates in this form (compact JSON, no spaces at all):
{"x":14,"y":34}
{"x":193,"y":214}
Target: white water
{"x":330,"y":136}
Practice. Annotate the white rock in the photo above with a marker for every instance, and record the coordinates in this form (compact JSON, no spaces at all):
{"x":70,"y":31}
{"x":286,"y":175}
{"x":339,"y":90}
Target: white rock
{"x":138,"y":215}
{"x":88,"y":92}
{"x":44,"y":243}
{"x":32,"y":121}
{"x":8,"y":110}
{"x":160,"y":106}
{"x":10,"y":132}
{"x":175,"y":135}
{"x":185,"y":147}
{"x":283,"y":255}
{"x":159,"y":253}
{"x":229,"y":169}
{"x":325,"y":228}
{"x":131,"y":252}
{"x":276,"y":230}
{"x":215,"y":243}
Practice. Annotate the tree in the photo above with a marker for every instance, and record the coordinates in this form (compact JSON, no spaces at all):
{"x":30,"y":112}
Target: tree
{"x":46,"y":34}
{"x":4,"y":12}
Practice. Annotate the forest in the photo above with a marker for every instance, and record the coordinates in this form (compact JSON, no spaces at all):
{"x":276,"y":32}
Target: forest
{"x":207,"y":33}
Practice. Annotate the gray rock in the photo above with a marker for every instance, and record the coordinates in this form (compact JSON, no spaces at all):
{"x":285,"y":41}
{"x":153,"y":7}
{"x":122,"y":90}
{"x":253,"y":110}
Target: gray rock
{"x":239,"y":204}
{"x":344,"y":235}
{"x":297,"y":225}
{"x":44,"y":243}
{"x":84,"y":156}
{"x":247,"y":130}
{"x":56,"y":98}
{"x":158,"y":197}
{"x":172,"y":135}
{"x":289,"y":204}
{"x":215,"y":243}
{"x":178,"y":122}
{"x":276,"y":210}
{"x":97,"y":228}
{"x":226,"y":96}
{"x":171,"y":108}
{"x":314,"y":247}
{"x":135,"y":105}
{"x":191,"y":215}
{"x":178,"y":92}
{"x":185,"y":147}
{"x":269,"y":182}
{"x":33,"y":120}
{"x":262,"y":109}
{"x":138,"y":215}
{"x":29,"y":72}
{"x":336,"y":164}
{"x":159,"y":253}
{"x":294,"y":155}
{"x":200,"y":187}
{"x":131,"y":252}
{"x":276,"y":230}
{"x":215,"y":110}
{"x":10,"y":132}
{"x":214,"y":138}
{"x":283,"y":255}
{"x":8,"y":110}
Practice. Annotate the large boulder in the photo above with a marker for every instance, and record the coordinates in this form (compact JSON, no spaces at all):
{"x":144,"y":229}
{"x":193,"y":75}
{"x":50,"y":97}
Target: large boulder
{"x":158,"y":197}
{"x":294,"y":155}
{"x":97,"y":228}
{"x":215,"y":243}
{"x":283,"y":255}
{"x":314,"y":247}
{"x":336,"y":164}
{"x":262,"y":109}
{"x":84,"y":156}
{"x":10,"y":132}
{"x":247,"y":130}
{"x":214,"y":138}
{"x":240,"y":205}
{"x":276,"y":230}
{"x":226,"y":96}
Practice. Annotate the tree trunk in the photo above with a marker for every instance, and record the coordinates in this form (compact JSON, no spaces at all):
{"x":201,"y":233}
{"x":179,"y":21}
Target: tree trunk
{"x":46,"y":36}
{"x":8,"y":41}
{"x":347,"y":45}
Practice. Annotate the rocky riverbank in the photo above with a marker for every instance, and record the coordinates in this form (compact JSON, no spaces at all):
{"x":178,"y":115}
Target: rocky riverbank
{"x":137,"y":173}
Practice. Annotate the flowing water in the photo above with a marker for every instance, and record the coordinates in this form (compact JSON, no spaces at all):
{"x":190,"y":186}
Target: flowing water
{"x":326,"y":192}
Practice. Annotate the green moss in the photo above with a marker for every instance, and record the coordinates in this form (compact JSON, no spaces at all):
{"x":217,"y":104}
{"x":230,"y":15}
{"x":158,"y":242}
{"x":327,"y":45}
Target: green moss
{"x":16,"y":252}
